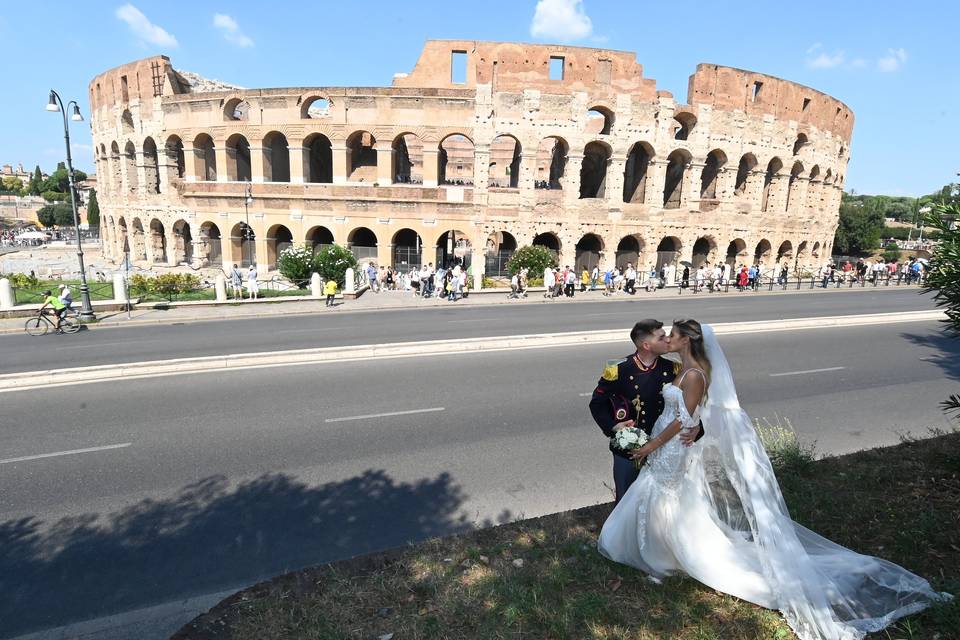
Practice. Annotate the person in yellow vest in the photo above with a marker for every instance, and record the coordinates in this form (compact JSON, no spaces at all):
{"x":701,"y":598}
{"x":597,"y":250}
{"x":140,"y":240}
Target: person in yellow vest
{"x":330,"y":290}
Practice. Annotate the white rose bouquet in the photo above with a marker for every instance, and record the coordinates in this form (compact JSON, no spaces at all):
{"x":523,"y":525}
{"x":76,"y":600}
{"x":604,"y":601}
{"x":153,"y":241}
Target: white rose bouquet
{"x":626,"y":440}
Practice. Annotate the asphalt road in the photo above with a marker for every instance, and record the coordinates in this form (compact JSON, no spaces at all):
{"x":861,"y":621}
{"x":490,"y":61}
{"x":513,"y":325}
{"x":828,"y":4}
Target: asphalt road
{"x":20,"y":352}
{"x":216,"y":481}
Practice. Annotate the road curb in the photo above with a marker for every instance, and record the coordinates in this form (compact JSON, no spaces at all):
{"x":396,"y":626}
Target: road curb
{"x":181,"y":366}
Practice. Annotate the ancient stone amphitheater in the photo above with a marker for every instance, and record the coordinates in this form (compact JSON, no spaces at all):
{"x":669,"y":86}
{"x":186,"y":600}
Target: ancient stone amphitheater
{"x":482,"y":148}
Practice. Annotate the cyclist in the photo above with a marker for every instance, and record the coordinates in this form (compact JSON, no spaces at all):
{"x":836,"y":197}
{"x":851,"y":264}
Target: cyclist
{"x":59,"y":309}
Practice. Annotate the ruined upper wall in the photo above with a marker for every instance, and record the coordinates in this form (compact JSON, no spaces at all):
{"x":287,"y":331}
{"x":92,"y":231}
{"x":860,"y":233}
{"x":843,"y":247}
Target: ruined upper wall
{"x":510,"y":66}
{"x":729,"y":89}
{"x":140,"y":81}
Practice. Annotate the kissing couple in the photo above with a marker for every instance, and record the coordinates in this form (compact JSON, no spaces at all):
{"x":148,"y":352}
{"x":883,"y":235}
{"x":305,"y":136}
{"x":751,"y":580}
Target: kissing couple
{"x":707,"y":504}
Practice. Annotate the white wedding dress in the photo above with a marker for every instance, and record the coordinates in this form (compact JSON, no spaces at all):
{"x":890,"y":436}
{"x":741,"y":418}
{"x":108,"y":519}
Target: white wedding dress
{"x":714,"y":511}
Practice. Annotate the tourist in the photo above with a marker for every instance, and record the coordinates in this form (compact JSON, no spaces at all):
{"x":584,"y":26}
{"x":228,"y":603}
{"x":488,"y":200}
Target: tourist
{"x":236,"y":283}
{"x":372,"y":277}
{"x":330,"y":290}
{"x":549,"y":282}
{"x":253,"y":289}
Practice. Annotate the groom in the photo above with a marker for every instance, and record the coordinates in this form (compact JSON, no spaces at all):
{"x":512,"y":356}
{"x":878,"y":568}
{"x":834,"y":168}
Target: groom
{"x":628,"y":394}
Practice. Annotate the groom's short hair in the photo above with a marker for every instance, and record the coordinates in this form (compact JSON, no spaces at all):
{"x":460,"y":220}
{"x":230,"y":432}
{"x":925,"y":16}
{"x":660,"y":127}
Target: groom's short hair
{"x":643,"y":330}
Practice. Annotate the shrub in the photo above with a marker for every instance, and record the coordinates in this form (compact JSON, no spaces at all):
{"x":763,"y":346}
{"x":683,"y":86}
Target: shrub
{"x":296,"y":265}
{"x":532,"y":257}
{"x":783,"y":446}
{"x":22,"y":280}
{"x":332,"y":263}
{"x":167,"y":285}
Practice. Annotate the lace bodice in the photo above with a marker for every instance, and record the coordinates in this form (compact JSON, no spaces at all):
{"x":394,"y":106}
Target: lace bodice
{"x":667,"y":462}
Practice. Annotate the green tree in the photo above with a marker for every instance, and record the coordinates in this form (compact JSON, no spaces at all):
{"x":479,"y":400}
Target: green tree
{"x":35,"y":182}
{"x":943,"y":277}
{"x":296,"y":265}
{"x":93,"y":210}
{"x":54,"y":196}
{"x":63,"y":215}
{"x":11,"y":184}
{"x":47,"y":215}
{"x":332,"y":263}
{"x":860,"y":227}
{"x":532,"y":257}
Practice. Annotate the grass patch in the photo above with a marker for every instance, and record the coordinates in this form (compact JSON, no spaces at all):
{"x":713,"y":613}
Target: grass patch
{"x":34,"y":295}
{"x":543,"y":578}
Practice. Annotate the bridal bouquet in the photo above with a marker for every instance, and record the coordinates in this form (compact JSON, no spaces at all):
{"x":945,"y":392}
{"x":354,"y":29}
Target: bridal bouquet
{"x":626,"y":440}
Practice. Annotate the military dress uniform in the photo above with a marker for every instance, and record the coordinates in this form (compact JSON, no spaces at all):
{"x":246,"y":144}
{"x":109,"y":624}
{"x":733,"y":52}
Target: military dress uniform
{"x":628,"y":390}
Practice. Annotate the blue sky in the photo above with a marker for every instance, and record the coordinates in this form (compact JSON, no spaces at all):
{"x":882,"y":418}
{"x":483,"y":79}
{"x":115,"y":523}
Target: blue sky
{"x":894,"y":63}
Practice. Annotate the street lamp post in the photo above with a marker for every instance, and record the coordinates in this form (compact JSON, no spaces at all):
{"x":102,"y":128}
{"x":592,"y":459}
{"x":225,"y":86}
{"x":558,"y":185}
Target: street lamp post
{"x":56,"y":104}
{"x":247,"y":201}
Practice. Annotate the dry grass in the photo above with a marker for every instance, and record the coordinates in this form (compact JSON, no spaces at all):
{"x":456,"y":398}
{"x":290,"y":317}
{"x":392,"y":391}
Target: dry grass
{"x":543,"y":579}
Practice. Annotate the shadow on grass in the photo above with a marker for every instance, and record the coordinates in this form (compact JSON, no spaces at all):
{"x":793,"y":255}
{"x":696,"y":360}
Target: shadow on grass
{"x":208,"y":537}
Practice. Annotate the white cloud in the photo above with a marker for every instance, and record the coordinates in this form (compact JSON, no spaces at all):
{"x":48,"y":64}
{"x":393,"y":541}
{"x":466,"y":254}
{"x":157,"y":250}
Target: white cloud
{"x":143,"y":28}
{"x":562,"y":20}
{"x":858,"y":63}
{"x":231,"y":30}
{"x":814,"y":47}
{"x":825,"y":60}
{"x":893,"y":61}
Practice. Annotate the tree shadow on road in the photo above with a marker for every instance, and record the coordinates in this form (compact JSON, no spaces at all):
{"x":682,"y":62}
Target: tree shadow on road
{"x":208,"y":537}
{"x":947,"y":348}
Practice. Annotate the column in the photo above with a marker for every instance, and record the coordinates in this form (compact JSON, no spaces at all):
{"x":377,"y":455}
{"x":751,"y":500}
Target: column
{"x":690,"y":191}
{"x":431,"y":167}
{"x":220,"y":153}
{"x":384,"y":164}
{"x":481,"y":167}
{"x":656,"y":177}
{"x":528,"y":168}
{"x":256,"y":165}
{"x":298,"y":159}
{"x":226,"y":248}
{"x":571,"y":178}
{"x":189,"y":162}
{"x":340,"y":163}
{"x":613,"y":192}
{"x":798,"y":199}
{"x":260,"y":246}
{"x":478,"y":262}
{"x":140,"y":161}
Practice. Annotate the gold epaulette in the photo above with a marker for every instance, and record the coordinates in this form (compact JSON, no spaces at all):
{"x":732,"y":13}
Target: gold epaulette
{"x":677,"y":368}
{"x":611,"y":370}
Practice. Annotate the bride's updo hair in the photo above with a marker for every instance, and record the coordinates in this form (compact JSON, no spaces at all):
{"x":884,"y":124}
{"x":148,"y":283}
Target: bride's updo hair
{"x":692,"y":329}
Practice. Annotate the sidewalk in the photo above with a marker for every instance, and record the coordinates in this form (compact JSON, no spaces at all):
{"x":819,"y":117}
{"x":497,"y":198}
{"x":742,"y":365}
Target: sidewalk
{"x":167,"y":314}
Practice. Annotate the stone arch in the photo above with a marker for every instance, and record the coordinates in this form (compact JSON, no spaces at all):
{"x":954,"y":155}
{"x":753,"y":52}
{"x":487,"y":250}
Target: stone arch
{"x":176,"y":161}
{"x":635,"y":172}
{"x":276,"y":158}
{"x":793,"y":184}
{"x":319,"y":237}
{"x":315,"y":107}
{"x":683,"y":124}
{"x":501,"y":246}
{"x":151,"y":166}
{"x":130,"y":167}
{"x":205,"y":157}
{"x":138,"y":240}
{"x":802,"y":250}
{"x":406,"y":159}
{"x":158,"y":241}
{"x":243,"y":245}
{"x":668,"y":252}
{"x":709,"y":178}
{"x":505,"y":156}
{"x":126,"y":122}
{"x":761,"y":255}
{"x":455,"y":160}
{"x":116,"y":177}
{"x":736,"y":252}
{"x":799,"y":143}
{"x":677,"y":162}
{"x":318,"y":158}
{"x":182,"y":242}
{"x":362,"y":241}
{"x":785,"y":251}
{"x":236,"y":109}
{"x":815,"y":252}
{"x":629,"y":249}
{"x":361,"y":157}
{"x":600,"y":121}
{"x":748,"y":163}
{"x":593,"y":170}
{"x":453,"y":246}
{"x":407,"y":249}
{"x":704,"y":251}
{"x":279,"y":238}
{"x":773,"y":168}
{"x":209,"y":245}
{"x":813,"y":188}
{"x":551,"y":162}
{"x":548,"y":240}
{"x":238,"y":158}
{"x":588,"y":250}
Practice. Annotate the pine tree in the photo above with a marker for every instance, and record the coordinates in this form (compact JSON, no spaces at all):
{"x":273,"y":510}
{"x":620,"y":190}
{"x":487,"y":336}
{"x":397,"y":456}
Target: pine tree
{"x":36,"y":182}
{"x":93,"y":210}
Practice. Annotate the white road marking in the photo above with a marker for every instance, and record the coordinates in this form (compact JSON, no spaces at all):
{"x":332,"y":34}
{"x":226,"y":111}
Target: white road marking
{"x":798,"y":373}
{"x":474,"y":320}
{"x":584,"y":395}
{"x":67,"y":453}
{"x":383,"y":415}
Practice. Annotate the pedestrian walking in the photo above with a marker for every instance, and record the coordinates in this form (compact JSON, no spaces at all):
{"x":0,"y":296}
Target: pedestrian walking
{"x":330,"y":290}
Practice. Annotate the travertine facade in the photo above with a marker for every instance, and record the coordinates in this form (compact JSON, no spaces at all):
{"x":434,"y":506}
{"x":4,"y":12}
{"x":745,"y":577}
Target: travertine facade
{"x":567,"y":147}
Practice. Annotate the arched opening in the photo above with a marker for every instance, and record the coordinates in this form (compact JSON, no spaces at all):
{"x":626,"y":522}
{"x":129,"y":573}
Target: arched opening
{"x":635,"y":172}
{"x":668,"y":252}
{"x":593,"y":171}
{"x":315,"y":107}
{"x":673,"y":183}
{"x":785,"y":252}
{"x":813,"y":188}
{"x":599,"y":121}
{"x":122,"y":239}
{"x":276,"y":158}
{"x":793,"y":185}
{"x":628,"y":251}
{"x":551,"y":163}
{"x":243,"y":245}
{"x":407,"y":250}
{"x":815,"y":252}
{"x":683,"y":124}
{"x":204,"y":158}
{"x":176,"y":162}
{"x":704,"y":252}
{"x":126,"y":122}
{"x":548,"y":241}
{"x":407,"y":159}
{"x":319,"y":154}
{"x":500,"y":248}
{"x":736,"y":253}
{"x":151,"y":167}
{"x":130,"y":167}
{"x":116,"y":175}
{"x":505,"y":162}
{"x":363,"y":243}
{"x":773,"y":168}
{"x":138,"y":240}
{"x":761,"y":255}
{"x":802,"y":250}
{"x":588,"y":252}
{"x":319,"y":238}
{"x":455,"y":160}
{"x":800,"y":143}
{"x":747,"y":164}
{"x":453,"y":247}
{"x":278,"y":239}
{"x":238,"y":158}
{"x":158,"y":241}
{"x":182,"y":242}
{"x":211,"y":251}
{"x":236,"y":109}
{"x":825,"y":189}
{"x":709,"y":178}
{"x":361,"y":157}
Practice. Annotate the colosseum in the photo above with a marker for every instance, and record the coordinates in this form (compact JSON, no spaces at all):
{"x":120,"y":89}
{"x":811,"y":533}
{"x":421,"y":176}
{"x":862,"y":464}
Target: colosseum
{"x":482,"y":148}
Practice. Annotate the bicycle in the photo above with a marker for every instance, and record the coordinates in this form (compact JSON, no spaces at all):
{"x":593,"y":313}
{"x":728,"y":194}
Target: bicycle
{"x":41,"y":324}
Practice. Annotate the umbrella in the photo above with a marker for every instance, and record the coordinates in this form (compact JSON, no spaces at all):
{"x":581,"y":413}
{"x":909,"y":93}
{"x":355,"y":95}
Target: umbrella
{"x":32,"y":235}
{"x":923,"y":260}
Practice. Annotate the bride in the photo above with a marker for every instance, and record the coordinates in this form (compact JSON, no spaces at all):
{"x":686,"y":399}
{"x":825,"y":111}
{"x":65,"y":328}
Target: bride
{"x":714,"y":511}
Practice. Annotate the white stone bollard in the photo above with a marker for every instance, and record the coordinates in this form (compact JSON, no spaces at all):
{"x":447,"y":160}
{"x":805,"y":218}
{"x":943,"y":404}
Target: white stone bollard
{"x":119,"y":288}
{"x":6,"y":294}
{"x":349,"y":286}
{"x":316,"y":289}
{"x":477,"y":280}
{"x":220,"y":286}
